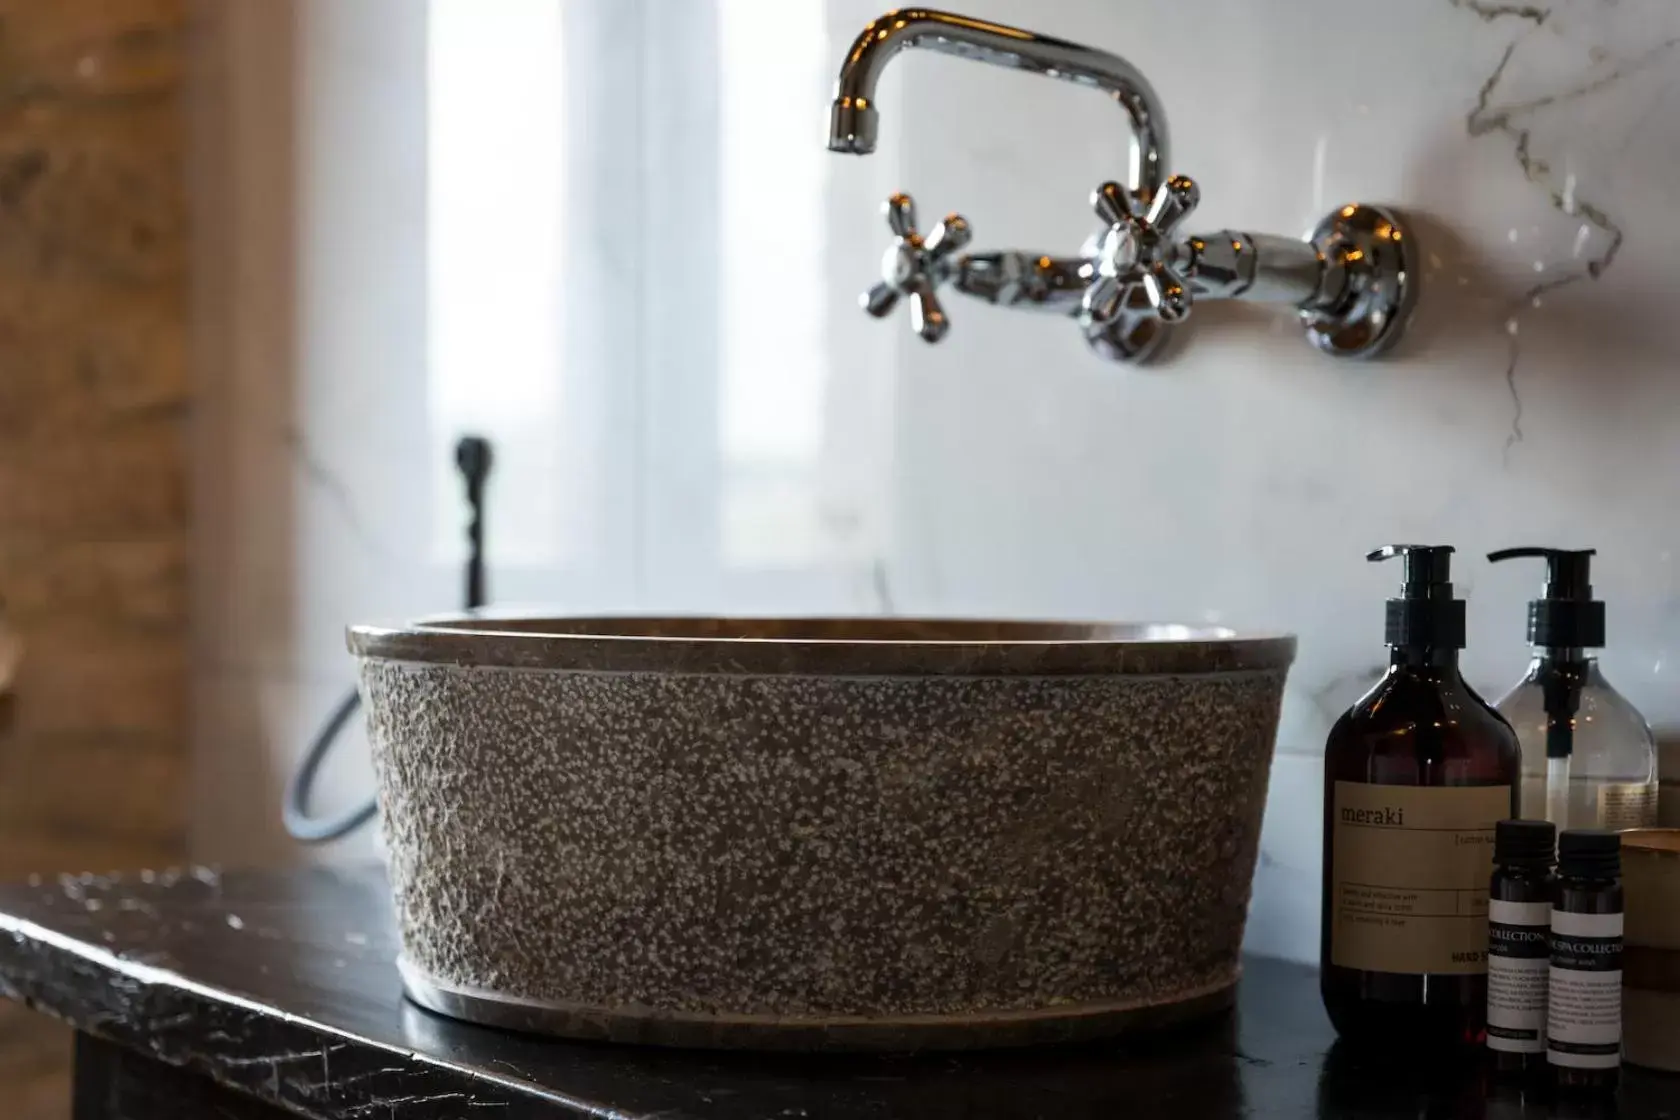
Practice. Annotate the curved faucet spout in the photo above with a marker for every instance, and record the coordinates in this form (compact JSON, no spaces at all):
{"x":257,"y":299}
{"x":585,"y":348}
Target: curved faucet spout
{"x":853,"y":118}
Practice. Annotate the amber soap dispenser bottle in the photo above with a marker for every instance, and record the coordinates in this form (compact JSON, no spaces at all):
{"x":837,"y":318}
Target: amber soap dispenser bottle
{"x":1415,"y":776}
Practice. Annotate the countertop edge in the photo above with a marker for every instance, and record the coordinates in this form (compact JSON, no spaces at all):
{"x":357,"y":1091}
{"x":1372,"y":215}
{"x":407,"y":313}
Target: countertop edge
{"x":278,"y":1057}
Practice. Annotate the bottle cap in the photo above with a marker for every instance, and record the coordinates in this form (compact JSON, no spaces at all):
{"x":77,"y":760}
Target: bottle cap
{"x":1566,"y":616}
{"x":1524,"y":842}
{"x":1425,"y":615}
{"x":1590,"y":853}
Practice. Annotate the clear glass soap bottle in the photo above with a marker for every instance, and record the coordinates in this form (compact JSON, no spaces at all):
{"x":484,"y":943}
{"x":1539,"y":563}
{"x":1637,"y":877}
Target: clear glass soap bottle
{"x":1589,"y":759}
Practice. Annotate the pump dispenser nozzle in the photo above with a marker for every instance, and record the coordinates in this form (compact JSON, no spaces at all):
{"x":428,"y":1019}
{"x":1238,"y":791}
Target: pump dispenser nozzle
{"x":1426,"y":615}
{"x":1425,"y":563}
{"x":1566,"y":616}
{"x":1565,"y":621}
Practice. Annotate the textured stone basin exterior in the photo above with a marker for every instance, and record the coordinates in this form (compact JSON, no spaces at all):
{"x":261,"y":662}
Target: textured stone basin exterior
{"x":826,"y":834}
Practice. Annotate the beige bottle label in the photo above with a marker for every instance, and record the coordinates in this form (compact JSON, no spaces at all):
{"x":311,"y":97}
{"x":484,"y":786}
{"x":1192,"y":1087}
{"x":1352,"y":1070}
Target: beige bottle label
{"x":1410,"y":879}
{"x":1627,"y":805}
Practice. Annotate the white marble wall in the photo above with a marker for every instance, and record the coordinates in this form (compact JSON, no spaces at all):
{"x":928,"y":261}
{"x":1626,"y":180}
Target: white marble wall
{"x":313,"y":407}
{"x":1536,"y":148}
{"x":1536,"y":400}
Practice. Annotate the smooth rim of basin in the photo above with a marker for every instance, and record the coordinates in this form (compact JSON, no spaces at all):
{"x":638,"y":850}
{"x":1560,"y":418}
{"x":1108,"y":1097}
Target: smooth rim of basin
{"x":971,"y":1030}
{"x":822,"y":646}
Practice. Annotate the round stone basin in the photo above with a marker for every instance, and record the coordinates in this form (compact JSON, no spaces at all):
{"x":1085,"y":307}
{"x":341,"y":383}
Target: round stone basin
{"x":821,"y":833}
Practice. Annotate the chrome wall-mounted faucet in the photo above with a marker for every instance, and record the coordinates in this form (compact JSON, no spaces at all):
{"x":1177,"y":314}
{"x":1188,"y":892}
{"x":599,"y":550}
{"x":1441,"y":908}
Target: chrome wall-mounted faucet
{"x":1353,"y":279}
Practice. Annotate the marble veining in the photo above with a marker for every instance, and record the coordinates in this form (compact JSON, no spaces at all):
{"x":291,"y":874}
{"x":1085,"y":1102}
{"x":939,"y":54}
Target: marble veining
{"x":1494,"y":113}
{"x":329,"y":483}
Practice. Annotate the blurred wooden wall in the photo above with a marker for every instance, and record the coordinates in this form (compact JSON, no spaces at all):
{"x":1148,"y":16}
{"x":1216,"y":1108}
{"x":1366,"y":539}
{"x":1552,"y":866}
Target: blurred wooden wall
{"x":94,"y":402}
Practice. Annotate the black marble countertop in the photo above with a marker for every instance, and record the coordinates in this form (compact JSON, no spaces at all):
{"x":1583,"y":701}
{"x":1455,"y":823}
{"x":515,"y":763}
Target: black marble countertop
{"x":283,"y":986}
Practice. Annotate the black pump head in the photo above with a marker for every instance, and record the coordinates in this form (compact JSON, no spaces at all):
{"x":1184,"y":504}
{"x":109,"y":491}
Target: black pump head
{"x":1425,"y":563}
{"x":473,"y":458}
{"x":1426,"y":615}
{"x":1567,"y":616}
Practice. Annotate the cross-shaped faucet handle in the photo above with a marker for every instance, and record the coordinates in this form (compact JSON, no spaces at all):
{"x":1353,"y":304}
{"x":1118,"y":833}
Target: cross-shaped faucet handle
{"x":1139,"y":250}
{"x":915,"y":266}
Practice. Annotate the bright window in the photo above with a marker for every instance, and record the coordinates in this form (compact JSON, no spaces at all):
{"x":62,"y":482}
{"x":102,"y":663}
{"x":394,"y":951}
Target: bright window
{"x":497,"y":199}
{"x":633,"y":290}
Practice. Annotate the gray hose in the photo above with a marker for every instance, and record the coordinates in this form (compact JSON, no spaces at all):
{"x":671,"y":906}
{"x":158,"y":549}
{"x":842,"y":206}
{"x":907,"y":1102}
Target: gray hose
{"x":472,"y":457}
{"x":295,"y":810}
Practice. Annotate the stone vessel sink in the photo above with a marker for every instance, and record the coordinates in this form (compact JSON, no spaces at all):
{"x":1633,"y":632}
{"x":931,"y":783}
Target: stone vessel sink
{"x":822,"y":833}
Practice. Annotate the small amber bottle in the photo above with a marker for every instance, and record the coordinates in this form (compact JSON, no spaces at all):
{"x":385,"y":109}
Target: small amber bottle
{"x":1519,"y":946}
{"x":1415,"y":776}
{"x":1584,"y":1008}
